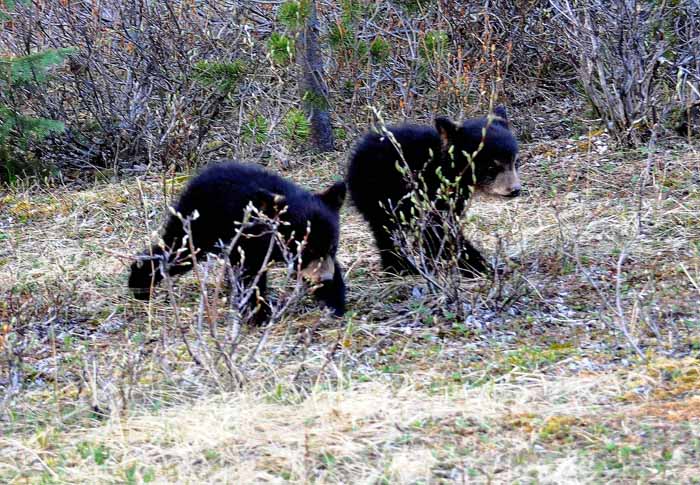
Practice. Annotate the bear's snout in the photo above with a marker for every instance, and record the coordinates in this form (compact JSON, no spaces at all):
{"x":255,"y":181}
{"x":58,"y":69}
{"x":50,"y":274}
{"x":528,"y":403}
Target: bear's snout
{"x":506,"y":184}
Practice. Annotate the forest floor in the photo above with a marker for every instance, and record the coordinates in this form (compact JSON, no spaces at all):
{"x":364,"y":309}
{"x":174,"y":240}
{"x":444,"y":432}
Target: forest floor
{"x":581,"y":366}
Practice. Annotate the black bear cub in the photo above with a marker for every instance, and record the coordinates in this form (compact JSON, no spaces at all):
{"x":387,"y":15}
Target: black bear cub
{"x":375,"y":183}
{"x":220,"y":194}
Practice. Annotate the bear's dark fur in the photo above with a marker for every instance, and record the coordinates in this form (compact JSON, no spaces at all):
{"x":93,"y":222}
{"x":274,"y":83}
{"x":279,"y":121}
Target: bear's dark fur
{"x":220,"y":194}
{"x":373,"y":178}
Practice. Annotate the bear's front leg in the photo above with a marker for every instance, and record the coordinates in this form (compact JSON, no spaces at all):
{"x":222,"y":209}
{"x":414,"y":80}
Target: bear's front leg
{"x":258,"y":301}
{"x":331,"y":293}
{"x":146,"y":274}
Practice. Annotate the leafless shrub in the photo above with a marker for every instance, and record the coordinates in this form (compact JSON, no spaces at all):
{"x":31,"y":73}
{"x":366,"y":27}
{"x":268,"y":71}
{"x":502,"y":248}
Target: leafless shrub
{"x":415,"y":59}
{"x":686,"y":67}
{"x":14,"y":343}
{"x":149,"y":83}
{"x":509,"y":45}
{"x":174,"y":84}
{"x":621,"y":51}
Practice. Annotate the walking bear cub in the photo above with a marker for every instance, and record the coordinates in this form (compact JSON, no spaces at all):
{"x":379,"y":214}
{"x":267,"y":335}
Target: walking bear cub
{"x":220,"y":194}
{"x":375,"y":183}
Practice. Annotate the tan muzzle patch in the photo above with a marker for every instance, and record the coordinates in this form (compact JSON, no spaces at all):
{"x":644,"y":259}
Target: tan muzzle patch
{"x":319,"y":270}
{"x":505,"y":184}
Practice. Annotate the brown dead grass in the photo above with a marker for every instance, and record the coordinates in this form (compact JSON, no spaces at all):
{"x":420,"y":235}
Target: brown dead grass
{"x":684,"y":411}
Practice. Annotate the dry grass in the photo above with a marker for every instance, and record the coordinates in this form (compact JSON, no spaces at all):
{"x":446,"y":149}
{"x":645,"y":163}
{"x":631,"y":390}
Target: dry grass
{"x":368,"y":432}
{"x":539,"y":384}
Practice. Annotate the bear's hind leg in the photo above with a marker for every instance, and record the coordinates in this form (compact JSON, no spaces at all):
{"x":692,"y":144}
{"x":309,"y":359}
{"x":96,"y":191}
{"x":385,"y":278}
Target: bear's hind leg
{"x":439,"y":245}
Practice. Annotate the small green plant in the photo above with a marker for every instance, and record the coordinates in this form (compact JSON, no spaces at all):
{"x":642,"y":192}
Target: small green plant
{"x":352,"y":10}
{"x":341,"y":36}
{"x":25,"y":128}
{"x":84,"y":450}
{"x":286,"y":475}
{"x":147,"y":475}
{"x":339,"y":133}
{"x":257,"y":129}
{"x":211,"y":455}
{"x":296,"y":126}
{"x":412,"y":6}
{"x":536,"y":357}
{"x":293,"y":13}
{"x":224,"y":76}
{"x":281,"y":48}
{"x":315,"y":100}
{"x":99,"y":453}
{"x":434,"y":44}
{"x":379,"y":49}
{"x":327,"y":459}
{"x":343,"y":39}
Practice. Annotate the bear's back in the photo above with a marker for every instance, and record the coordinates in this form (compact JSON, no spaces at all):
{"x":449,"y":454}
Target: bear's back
{"x":221,"y":193}
{"x":229,"y":187}
{"x":416,"y":142}
{"x":372,"y":173}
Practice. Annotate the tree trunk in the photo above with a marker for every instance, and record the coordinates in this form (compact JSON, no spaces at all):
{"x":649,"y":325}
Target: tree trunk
{"x":312,"y":86}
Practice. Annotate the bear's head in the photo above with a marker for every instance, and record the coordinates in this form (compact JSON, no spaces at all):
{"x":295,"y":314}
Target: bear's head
{"x":486,"y":145}
{"x":314,"y":225}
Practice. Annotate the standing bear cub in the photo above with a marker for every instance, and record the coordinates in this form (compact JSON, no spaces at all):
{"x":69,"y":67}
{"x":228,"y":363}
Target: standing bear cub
{"x":220,"y":194}
{"x":481,"y":153}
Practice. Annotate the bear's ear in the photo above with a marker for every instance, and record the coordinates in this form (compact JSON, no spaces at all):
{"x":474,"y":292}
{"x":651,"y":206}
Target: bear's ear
{"x":333,"y":196}
{"x":502,"y":115}
{"x":447,"y":130}
{"x":268,"y":203}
